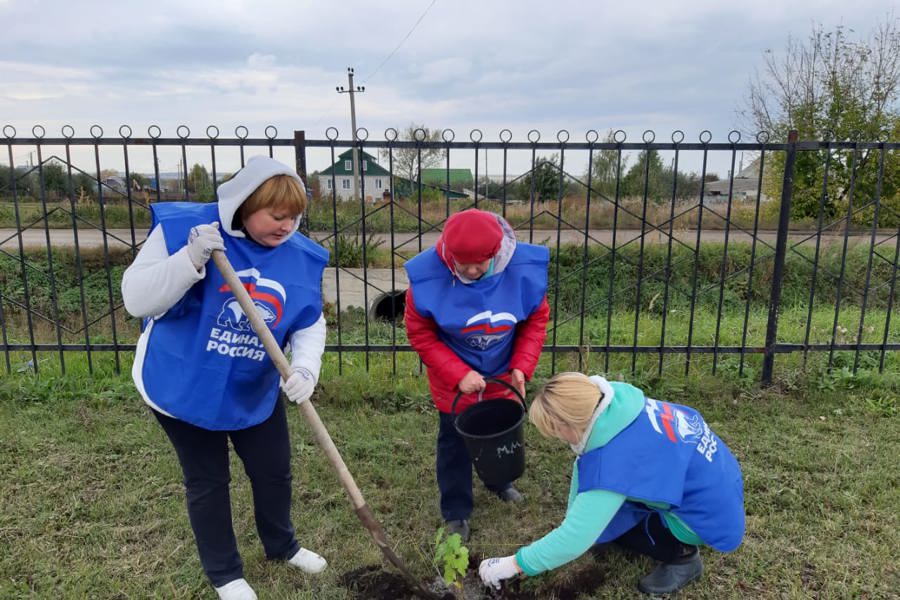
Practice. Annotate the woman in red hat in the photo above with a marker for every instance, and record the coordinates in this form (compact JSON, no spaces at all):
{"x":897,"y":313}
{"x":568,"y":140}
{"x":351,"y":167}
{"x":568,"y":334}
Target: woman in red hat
{"x":476,"y":307}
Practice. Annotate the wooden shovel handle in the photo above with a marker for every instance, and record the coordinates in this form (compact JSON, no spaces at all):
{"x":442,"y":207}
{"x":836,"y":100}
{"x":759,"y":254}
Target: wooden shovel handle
{"x":284,"y":368}
{"x":318,"y":428}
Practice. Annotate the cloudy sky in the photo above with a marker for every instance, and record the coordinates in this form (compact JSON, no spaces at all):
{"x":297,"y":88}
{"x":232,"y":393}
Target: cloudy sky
{"x":654,"y":64}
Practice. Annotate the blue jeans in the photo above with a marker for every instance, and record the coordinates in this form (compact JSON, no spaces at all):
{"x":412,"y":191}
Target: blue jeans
{"x":454,"y":472}
{"x":265,"y":451}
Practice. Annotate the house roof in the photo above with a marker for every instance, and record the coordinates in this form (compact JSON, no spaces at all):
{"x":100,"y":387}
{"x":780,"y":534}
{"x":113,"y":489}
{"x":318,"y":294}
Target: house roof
{"x":458,"y":177}
{"x":405,"y":187}
{"x":746,"y":181}
{"x":370,"y":165}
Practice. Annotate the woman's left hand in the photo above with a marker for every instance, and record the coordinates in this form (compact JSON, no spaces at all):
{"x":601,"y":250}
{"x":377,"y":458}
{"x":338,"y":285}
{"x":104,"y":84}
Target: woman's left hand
{"x":300,"y":385}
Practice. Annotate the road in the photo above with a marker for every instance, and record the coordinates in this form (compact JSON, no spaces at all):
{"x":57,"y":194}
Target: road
{"x":92,"y":238}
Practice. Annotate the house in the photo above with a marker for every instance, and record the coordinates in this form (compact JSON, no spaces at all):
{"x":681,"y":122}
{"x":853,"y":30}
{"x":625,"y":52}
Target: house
{"x":404,"y":188}
{"x":744,"y":186}
{"x":375,"y":179}
{"x":460,"y":179}
{"x":116,"y":184}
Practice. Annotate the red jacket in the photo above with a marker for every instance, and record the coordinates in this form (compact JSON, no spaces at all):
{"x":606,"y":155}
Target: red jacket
{"x":445,"y":369}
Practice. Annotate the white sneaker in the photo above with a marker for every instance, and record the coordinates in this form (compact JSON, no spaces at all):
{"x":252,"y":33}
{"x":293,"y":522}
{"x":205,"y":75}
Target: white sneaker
{"x":308,"y":562}
{"x":238,"y":589}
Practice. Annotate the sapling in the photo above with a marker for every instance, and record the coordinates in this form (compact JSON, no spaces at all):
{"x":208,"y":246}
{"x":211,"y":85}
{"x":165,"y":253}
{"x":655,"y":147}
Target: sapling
{"x":452,"y":556}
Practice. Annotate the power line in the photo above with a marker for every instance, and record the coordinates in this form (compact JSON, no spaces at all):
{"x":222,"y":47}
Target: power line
{"x":406,"y":37}
{"x":383,"y":62}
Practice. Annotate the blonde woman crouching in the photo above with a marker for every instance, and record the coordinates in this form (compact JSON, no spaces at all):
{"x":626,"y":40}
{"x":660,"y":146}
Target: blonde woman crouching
{"x":650,"y":477}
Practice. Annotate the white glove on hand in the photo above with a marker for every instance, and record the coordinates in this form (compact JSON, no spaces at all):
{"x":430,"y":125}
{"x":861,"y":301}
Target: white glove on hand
{"x":300,"y":385}
{"x":495,"y":570}
{"x":202,"y":240}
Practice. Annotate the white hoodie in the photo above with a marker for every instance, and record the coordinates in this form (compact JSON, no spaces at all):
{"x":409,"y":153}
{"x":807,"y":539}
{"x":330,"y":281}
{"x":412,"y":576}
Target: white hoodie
{"x":156,"y":281}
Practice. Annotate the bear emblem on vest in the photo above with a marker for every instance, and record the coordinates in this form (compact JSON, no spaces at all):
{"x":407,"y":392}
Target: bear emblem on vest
{"x":233,"y":317}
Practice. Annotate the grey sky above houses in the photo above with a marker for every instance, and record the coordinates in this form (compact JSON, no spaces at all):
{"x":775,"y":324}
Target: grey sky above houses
{"x":462,"y":64}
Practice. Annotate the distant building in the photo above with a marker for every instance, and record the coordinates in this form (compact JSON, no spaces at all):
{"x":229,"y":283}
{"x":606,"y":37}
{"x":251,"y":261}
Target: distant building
{"x":460,"y":179}
{"x":337,"y":180}
{"x":744,"y":186}
{"x":116,"y":184}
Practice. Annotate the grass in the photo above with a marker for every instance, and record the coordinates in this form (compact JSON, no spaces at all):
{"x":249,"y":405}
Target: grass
{"x":93,"y":504}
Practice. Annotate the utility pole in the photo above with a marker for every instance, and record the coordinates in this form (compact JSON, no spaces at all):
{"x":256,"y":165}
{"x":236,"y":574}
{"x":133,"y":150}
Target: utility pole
{"x":353,"y":90}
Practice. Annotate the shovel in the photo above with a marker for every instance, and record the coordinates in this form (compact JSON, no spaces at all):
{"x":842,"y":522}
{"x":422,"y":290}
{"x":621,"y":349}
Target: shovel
{"x":315,"y":423}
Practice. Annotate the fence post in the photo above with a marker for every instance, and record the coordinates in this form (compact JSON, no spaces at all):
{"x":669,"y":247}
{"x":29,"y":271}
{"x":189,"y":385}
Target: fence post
{"x":784,"y":220}
{"x":300,"y":154}
{"x":300,"y":164}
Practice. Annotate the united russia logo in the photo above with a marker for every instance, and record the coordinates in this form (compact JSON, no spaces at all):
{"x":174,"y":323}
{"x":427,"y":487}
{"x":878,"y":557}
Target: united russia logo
{"x":268,"y":297}
{"x":681,"y":427}
{"x":486,"y":328}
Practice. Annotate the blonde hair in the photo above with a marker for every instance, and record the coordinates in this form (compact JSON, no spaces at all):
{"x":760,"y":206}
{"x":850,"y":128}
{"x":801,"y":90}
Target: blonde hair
{"x":567,"y":398}
{"x":281,"y":191}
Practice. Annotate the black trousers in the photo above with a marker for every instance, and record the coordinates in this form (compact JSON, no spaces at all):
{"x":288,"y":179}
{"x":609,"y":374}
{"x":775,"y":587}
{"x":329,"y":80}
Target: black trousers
{"x":265,"y":452}
{"x":454,"y":472}
{"x":652,"y":538}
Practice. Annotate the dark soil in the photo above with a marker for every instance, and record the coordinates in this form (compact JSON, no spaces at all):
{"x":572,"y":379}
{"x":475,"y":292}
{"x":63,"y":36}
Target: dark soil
{"x":372,"y":582}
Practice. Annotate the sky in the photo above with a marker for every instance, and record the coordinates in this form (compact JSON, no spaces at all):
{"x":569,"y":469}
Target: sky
{"x":460,"y":64}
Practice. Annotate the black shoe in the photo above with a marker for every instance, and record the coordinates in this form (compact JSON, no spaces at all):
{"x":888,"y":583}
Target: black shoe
{"x":670,"y":577}
{"x":460,"y":526}
{"x":511,"y":495}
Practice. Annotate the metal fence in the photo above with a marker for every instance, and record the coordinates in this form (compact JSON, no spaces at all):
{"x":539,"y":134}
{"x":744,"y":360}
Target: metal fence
{"x":655,"y":268}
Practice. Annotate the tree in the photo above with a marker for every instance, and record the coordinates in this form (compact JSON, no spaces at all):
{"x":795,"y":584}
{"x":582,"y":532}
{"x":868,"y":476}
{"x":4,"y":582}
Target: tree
{"x":545,"y":179}
{"x":139,"y":181}
{"x":55,"y":180}
{"x":658,"y":178}
{"x":408,"y":161}
{"x":6,"y":174}
{"x":490,"y":188}
{"x":84,"y":186}
{"x":199,"y":183}
{"x":831,"y":87}
{"x":606,"y":167}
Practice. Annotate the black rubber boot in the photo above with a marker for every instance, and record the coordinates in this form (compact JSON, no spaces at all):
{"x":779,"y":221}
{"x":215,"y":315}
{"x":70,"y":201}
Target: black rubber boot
{"x":670,"y":577}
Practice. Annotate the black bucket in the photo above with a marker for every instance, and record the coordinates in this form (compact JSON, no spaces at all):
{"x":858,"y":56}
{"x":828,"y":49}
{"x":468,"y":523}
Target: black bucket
{"x":492,"y":432}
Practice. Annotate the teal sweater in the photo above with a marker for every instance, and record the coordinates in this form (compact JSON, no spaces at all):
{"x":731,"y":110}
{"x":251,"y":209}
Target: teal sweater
{"x":590,"y":512}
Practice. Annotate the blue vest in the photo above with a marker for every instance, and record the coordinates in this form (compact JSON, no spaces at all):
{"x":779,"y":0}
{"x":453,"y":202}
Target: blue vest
{"x":478,"y":320}
{"x":203,"y":363}
{"x":668,"y":454}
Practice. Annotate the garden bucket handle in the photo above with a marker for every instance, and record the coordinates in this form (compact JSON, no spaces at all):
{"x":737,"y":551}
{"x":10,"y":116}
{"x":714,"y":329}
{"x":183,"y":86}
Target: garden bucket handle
{"x":502,"y":382}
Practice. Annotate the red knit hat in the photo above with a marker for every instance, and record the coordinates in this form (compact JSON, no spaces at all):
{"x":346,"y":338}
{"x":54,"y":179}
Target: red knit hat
{"x":472,"y":236}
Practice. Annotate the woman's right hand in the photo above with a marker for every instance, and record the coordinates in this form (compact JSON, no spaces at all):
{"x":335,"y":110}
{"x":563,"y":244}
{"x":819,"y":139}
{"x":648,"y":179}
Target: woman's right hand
{"x":202,"y":240}
{"x":472,"y":382}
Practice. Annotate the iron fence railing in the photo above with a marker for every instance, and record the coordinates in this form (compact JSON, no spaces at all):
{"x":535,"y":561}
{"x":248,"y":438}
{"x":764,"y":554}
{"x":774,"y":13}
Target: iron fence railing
{"x":656,"y":266}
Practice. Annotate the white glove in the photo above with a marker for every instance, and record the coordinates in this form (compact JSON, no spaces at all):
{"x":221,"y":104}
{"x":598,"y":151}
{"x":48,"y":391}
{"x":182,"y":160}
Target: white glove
{"x":495,"y":570}
{"x":300,"y":385}
{"x":202,"y":240}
